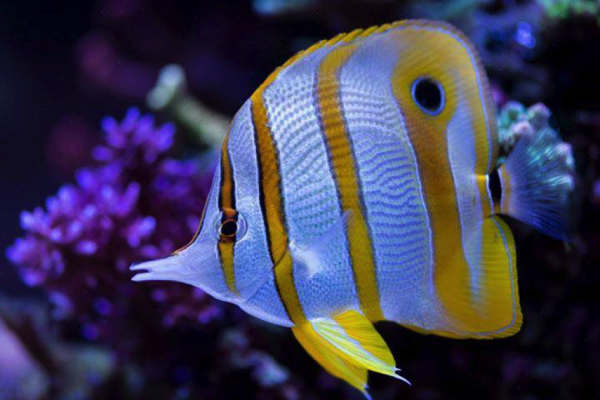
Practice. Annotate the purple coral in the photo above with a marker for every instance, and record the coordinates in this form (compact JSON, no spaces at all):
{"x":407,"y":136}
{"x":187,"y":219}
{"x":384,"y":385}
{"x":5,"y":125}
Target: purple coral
{"x":135,"y":204}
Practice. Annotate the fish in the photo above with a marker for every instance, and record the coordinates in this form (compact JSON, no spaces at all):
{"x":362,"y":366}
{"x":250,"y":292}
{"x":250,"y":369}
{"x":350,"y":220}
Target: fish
{"x":362,"y":182}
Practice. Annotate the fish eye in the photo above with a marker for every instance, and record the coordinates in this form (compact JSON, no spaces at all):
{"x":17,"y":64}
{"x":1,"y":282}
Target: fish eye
{"x":230,"y":226}
{"x":429,"y":95}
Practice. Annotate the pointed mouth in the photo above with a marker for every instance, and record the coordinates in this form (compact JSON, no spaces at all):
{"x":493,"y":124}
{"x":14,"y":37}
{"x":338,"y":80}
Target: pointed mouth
{"x":166,"y":269}
{"x":174,"y":269}
{"x":177,"y":268}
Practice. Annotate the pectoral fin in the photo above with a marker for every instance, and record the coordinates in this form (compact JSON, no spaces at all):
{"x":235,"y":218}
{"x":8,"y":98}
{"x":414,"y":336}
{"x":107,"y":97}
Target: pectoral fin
{"x":322,"y":251}
{"x":347,"y":345}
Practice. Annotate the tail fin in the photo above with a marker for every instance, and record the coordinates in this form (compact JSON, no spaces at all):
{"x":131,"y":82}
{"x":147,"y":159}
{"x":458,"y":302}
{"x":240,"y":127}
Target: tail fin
{"x":537,"y":181}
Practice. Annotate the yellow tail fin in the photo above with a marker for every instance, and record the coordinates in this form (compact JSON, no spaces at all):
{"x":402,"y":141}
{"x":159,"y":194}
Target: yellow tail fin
{"x":347,"y":345}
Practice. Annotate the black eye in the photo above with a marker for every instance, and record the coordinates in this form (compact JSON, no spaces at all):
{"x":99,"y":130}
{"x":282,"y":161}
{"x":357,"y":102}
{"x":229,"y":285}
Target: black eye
{"x":429,"y":95}
{"x":228,"y":228}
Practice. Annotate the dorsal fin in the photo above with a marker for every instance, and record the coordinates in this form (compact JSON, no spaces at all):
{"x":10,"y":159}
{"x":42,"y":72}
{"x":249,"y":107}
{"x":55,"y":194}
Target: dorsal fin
{"x":359,"y":36}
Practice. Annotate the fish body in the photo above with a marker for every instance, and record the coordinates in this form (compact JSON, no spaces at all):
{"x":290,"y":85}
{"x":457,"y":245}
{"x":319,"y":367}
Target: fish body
{"x":360,"y":183}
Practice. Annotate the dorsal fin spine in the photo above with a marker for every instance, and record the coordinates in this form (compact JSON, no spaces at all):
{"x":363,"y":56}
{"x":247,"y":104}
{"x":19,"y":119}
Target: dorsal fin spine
{"x":352,"y":35}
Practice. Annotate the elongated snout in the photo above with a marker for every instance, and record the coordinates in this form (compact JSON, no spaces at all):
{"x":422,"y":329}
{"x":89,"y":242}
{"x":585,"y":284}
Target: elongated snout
{"x":198,"y":266}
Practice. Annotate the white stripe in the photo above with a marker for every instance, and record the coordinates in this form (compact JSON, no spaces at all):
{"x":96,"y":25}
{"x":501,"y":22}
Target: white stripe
{"x":308,"y":188}
{"x":489,"y":192}
{"x":394,"y":206}
{"x":255,"y":279}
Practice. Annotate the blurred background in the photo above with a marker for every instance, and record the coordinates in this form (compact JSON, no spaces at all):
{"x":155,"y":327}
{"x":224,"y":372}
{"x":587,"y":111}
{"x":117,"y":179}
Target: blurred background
{"x":101,"y":192}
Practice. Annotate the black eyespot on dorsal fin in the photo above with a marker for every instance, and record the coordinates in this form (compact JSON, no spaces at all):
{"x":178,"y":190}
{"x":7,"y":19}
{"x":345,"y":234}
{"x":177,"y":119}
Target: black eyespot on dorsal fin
{"x":428,"y":94}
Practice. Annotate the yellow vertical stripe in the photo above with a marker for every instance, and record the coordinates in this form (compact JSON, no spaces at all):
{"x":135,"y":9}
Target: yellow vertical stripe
{"x":272,"y":205}
{"x":226,"y":246}
{"x":430,"y":54}
{"x":226,"y":255}
{"x":428,"y":138}
{"x":346,"y":177}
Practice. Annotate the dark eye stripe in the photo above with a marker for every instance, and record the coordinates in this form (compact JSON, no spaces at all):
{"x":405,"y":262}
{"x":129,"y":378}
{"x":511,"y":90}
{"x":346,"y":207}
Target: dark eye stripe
{"x":226,"y":245}
{"x":229,"y":225}
{"x":228,"y":229}
{"x":227,"y":192}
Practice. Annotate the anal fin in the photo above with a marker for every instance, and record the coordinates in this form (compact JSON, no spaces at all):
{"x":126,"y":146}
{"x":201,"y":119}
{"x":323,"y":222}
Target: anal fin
{"x":335,"y":365}
{"x":347,"y":346}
